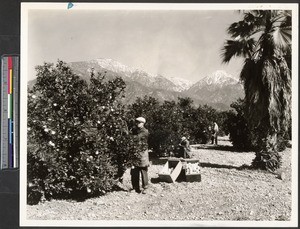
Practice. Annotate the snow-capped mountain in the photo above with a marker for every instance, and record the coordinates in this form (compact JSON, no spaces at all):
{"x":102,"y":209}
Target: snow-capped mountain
{"x":218,"y":89}
{"x":112,"y":67}
{"x":98,"y":65}
{"x":115,"y":66}
{"x":182,"y":84}
{"x":219,"y":77}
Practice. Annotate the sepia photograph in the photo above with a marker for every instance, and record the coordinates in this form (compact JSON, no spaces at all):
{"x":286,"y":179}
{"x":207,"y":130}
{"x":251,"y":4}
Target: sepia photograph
{"x":147,"y":114}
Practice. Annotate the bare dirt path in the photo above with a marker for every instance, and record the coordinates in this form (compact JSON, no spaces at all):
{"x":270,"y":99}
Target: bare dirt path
{"x":225,"y":193}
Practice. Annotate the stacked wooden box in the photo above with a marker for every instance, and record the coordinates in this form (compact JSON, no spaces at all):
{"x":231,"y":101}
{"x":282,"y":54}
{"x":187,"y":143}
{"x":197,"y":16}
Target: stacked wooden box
{"x":170,"y":171}
{"x":188,"y":169}
{"x":191,"y":168}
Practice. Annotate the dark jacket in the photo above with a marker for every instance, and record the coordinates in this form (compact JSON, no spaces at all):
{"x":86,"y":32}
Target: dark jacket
{"x":142,"y":141}
{"x":186,"y":145}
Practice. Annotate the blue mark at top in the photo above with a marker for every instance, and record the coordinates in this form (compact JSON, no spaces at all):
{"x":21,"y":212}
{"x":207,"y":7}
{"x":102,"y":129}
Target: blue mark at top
{"x":70,"y":5}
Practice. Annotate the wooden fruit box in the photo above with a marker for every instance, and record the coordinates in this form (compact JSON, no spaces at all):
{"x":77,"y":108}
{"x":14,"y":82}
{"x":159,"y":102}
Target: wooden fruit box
{"x":170,"y":171}
{"x":185,"y":161}
{"x":191,"y":169}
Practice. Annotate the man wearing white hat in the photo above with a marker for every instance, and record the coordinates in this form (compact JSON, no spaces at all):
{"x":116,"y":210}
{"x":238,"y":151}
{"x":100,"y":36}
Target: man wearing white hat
{"x":185,"y":147}
{"x":142,"y":164}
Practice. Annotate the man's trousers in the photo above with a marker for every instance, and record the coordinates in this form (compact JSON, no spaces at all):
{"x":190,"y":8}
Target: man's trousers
{"x":135,"y":177}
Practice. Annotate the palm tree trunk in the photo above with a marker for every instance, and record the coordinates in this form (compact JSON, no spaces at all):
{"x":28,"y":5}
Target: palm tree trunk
{"x":266,"y":153}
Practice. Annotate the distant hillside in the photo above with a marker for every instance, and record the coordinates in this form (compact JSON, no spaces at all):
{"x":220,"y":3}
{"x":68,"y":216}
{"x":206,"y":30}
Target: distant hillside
{"x":218,"y":90}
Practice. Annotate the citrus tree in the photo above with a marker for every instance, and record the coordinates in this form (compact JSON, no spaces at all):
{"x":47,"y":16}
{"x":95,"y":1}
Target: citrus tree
{"x":78,"y":143}
{"x":169,"y":121}
{"x":237,"y":126}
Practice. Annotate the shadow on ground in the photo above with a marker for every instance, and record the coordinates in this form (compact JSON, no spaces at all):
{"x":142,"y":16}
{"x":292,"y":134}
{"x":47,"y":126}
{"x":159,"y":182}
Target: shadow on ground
{"x":155,"y":180}
{"x":162,"y":161}
{"x":159,"y":160}
{"x":212,"y":165}
{"x":218,"y":147}
{"x":180,"y":178}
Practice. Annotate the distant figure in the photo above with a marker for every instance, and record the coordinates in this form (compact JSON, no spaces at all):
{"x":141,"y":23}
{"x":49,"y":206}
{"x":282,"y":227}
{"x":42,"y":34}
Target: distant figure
{"x":185,"y":147}
{"x":215,"y":135}
{"x":210,"y":135}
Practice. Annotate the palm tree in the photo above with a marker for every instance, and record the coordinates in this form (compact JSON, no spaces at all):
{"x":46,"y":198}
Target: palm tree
{"x":263,"y":39}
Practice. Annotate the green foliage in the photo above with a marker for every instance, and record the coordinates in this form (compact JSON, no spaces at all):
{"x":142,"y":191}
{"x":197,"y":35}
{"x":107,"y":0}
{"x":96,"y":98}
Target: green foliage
{"x":245,"y":138}
{"x":236,"y":124}
{"x":167,"y":122}
{"x":159,"y":122}
{"x":78,"y":142}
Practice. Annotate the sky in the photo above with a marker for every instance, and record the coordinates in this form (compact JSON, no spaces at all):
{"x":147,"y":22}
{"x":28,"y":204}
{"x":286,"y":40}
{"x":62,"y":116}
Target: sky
{"x":173,"y":43}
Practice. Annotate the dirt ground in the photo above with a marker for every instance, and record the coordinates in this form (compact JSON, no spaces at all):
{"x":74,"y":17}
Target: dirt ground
{"x":224,"y":193}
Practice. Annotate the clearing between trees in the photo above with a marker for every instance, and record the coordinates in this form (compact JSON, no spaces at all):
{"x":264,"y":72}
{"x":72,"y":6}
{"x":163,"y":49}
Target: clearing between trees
{"x":228,"y":191}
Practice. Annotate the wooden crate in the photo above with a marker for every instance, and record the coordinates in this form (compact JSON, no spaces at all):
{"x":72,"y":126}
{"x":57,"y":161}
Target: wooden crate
{"x":185,"y":161}
{"x":193,"y":177}
{"x":165,"y":175}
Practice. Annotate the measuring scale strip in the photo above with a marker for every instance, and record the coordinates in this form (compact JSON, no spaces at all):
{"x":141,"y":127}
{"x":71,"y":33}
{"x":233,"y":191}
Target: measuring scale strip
{"x":9,"y":112}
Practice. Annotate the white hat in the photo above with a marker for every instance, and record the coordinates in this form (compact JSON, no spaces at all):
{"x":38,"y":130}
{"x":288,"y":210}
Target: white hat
{"x":183,"y":138}
{"x":141,"y":119}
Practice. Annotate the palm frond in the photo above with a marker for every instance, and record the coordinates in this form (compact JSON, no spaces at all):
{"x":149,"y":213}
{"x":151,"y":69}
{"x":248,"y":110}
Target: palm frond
{"x":238,"y":47}
{"x":282,"y":33}
{"x":282,"y":38}
{"x":283,"y":16}
{"x":241,"y":28}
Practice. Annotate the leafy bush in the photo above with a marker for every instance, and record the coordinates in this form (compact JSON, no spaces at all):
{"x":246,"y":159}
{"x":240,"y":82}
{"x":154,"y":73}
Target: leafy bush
{"x":77,"y":136}
{"x":206,"y":115}
{"x":236,"y":124}
{"x":163,"y":130}
{"x":244,"y":138}
{"x":167,"y":122}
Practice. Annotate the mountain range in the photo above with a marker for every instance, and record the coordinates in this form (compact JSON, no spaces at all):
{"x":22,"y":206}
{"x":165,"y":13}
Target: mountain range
{"x":218,"y":89}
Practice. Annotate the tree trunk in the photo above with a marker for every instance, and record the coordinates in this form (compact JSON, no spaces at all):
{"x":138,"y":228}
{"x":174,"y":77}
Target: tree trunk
{"x":266,"y":154}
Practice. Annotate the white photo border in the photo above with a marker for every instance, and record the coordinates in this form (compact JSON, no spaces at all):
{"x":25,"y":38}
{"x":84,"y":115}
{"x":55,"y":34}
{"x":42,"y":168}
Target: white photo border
{"x":26,"y":7}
